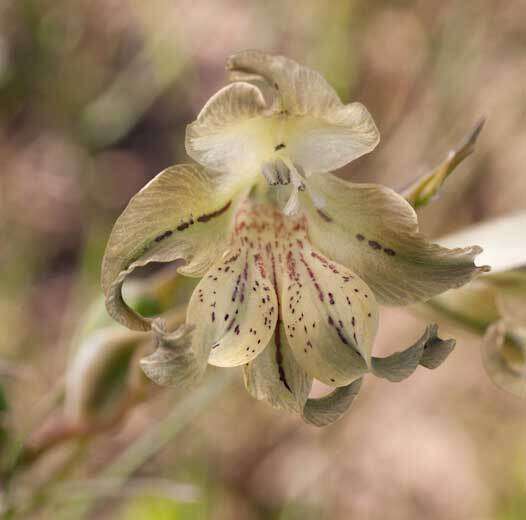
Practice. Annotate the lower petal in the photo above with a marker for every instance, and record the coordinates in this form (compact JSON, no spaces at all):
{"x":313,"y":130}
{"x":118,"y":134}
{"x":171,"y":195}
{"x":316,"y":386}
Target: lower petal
{"x":276,"y":377}
{"x":330,"y":317}
{"x":233,"y":308}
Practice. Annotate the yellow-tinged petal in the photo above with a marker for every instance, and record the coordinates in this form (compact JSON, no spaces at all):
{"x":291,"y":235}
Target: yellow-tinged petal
{"x":276,"y":377}
{"x":230,"y":133}
{"x":330,"y":317}
{"x":184,"y":213}
{"x":374,"y":231}
{"x":329,"y":142}
{"x":331,"y":407}
{"x":318,"y":132}
{"x":234,"y":308}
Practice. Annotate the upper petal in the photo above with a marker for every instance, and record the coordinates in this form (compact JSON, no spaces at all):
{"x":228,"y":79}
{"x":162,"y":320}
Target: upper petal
{"x":330,"y":141}
{"x":186,"y":213}
{"x":300,"y":90}
{"x":330,"y":317}
{"x":230,"y":132}
{"x":322,"y":133}
{"x":233,"y":309}
{"x":374,"y":231}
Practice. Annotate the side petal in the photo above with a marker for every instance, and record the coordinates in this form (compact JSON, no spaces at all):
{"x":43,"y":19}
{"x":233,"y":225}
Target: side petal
{"x":330,"y":317}
{"x":328,"y":409}
{"x":234,"y":309}
{"x":504,"y":357}
{"x":429,"y":351}
{"x":374,"y":231}
{"x":276,"y":377}
{"x":186,"y":213}
{"x":327,"y":134}
{"x":174,"y":362}
{"x":230,"y":130}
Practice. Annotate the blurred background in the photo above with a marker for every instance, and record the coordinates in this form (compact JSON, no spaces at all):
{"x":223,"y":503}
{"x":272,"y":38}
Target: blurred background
{"x":94,"y":99}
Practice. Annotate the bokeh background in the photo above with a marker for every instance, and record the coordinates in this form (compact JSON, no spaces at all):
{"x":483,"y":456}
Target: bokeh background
{"x":94,"y":99}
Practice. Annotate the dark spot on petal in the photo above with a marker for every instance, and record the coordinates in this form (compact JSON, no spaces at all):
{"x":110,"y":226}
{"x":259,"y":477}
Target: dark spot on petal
{"x":374,"y":244}
{"x":166,"y":234}
{"x":209,"y":216}
{"x":324,"y":215}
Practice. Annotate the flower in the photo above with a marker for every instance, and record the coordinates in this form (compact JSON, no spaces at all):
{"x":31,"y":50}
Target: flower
{"x":494,"y":305}
{"x":293,"y":260}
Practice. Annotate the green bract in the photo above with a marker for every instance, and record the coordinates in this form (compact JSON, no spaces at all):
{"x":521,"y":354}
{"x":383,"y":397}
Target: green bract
{"x":293,"y":260}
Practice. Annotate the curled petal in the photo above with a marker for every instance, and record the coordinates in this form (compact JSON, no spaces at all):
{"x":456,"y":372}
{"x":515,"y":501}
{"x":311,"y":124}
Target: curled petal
{"x":234,"y":309}
{"x":374,"y":231}
{"x":322,"y":133}
{"x":174,"y":362}
{"x":429,"y":351}
{"x":184,"y":213}
{"x":229,"y":131}
{"x":328,"y":409}
{"x":300,"y":90}
{"x":504,"y":357}
{"x":330,"y":317}
{"x":276,"y":377}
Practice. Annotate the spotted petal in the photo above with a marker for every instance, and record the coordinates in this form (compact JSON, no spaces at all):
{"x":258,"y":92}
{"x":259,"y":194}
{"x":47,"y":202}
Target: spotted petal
{"x":185,"y":213}
{"x":330,"y":317}
{"x":275,"y":376}
{"x":374,"y":231}
{"x":329,"y":408}
{"x":234,"y":308}
{"x":319,"y":132}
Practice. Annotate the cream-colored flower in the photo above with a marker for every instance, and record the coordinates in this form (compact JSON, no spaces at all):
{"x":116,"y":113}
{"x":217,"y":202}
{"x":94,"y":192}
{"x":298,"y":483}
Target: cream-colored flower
{"x":291,"y":293}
